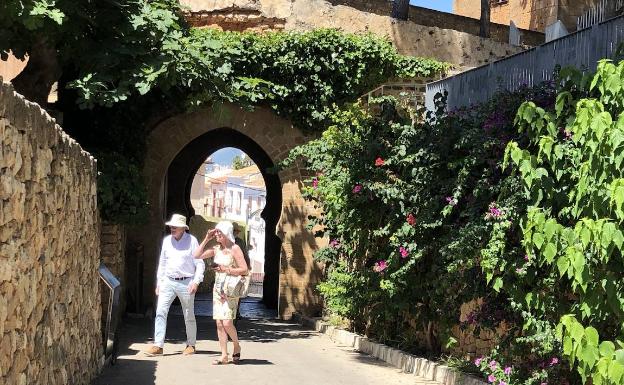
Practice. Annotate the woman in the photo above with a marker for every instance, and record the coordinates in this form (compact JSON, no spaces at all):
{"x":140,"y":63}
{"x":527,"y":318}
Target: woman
{"x":228,"y":260}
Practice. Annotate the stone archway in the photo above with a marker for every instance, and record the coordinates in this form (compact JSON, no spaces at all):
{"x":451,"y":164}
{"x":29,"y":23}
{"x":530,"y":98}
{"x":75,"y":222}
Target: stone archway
{"x":268,"y":134}
{"x":180,"y":178}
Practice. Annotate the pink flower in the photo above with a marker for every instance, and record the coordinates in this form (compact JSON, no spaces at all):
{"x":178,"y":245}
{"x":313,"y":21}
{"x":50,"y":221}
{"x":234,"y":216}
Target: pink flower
{"x":315,"y":182}
{"x":493,"y":365}
{"x":507,"y":370}
{"x":502,"y":383}
{"x":544,"y":383}
{"x":403,"y":251}
{"x":493,"y":211}
{"x":477,"y":362}
{"x":526,"y":257}
{"x":411,"y":219}
{"x":380,"y":266}
{"x":357,"y":188}
{"x":379,"y":161}
{"x":491,"y":378}
{"x":451,"y":201}
{"x":554,"y":361}
{"x":334,"y":243}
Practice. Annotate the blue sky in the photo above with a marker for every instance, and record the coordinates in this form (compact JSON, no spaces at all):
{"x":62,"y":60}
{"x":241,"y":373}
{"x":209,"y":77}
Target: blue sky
{"x":224,"y":156}
{"x":438,"y":5}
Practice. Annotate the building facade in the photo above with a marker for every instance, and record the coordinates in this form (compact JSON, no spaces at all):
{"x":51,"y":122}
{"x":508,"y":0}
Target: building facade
{"x":534,"y":15}
{"x":235,"y":195}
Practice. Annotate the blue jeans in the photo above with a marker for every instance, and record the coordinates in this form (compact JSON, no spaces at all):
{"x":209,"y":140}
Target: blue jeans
{"x":166,"y":294}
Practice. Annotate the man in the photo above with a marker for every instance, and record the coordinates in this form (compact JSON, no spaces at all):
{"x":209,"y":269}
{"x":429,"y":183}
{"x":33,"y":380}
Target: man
{"x":179,"y":275}
{"x":241,"y":243}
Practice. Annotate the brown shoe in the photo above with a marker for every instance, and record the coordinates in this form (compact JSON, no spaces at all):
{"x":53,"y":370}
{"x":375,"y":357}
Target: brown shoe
{"x":153,"y":351}
{"x":189,"y":350}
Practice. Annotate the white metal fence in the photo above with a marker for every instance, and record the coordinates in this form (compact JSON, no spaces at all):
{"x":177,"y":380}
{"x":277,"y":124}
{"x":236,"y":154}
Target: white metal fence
{"x":602,"y":11}
{"x":581,"y":49}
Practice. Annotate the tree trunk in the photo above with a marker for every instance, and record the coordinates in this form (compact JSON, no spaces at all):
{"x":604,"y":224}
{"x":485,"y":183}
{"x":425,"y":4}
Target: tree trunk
{"x":400,"y":9}
{"x":42,"y":70}
{"x":485,"y":19}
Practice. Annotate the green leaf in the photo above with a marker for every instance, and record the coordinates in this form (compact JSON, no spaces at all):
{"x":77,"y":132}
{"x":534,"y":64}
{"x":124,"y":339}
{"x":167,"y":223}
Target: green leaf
{"x":607,"y":349}
{"x":549,"y":252}
{"x":592,"y":336}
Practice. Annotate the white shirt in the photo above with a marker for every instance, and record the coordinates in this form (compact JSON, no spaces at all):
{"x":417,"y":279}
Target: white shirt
{"x":176,"y":259}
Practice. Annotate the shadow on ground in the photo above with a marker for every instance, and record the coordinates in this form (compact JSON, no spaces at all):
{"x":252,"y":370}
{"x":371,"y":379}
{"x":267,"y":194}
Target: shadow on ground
{"x":132,"y":367}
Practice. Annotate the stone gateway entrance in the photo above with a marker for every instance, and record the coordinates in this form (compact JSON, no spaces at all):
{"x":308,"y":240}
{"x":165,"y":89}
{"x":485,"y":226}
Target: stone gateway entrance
{"x":177,"y":147}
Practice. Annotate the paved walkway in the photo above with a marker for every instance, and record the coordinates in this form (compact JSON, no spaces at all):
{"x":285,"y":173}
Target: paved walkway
{"x":273,"y":353}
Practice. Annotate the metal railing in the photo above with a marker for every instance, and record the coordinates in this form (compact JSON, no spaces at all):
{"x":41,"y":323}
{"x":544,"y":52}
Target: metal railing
{"x":582,"y":49}
{"x":603,"y":10}
{"x":110,"y":331}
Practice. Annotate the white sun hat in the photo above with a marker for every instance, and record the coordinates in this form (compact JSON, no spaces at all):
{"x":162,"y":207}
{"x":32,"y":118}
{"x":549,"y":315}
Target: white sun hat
{"x":177,"y":220}
{"x":227,"y":229}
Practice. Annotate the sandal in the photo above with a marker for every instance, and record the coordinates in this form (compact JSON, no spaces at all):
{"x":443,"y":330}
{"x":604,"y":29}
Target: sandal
{"x":236,"y":357}
{"x":220,"y":361}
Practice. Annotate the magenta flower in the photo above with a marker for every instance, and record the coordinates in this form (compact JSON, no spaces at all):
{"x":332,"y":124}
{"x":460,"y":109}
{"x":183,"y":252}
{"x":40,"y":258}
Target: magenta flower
{"x":380,"y":266}
{"x":493,"y":211}
{"x":357,"y":188}
{"x":403,"y":251}
{"x":491,"y":378}
{"x":477,"y":362}
{"x":493,"y":365}
{"x":315,"y":182}
{"x":507,"y":370}
{"x":554,"y":361}
{"x":451,"y":201}
{"x":496,"y":212}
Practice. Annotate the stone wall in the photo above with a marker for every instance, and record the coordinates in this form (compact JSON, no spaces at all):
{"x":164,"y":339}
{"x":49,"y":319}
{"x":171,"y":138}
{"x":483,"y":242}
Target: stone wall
{"x":297,"y":274}
{"x":49,"y":251}
{"x":499,"y":29}
{"x":465,"y":50}
{"x":528,"y":14}
{"x":11,"y":67}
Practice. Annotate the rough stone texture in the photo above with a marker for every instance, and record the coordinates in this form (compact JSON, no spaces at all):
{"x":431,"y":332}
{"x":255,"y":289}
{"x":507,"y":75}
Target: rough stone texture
{"x":445,"y":20}
{"x":481,"y":344}
{"x":528,"y":14}
{"x":113,"y":241}
{"x":460,"y":48}
{"x":49,"y":251}
{"x":11,"y":67}
{"x":113,"y":255}
{"x":299,"y":274}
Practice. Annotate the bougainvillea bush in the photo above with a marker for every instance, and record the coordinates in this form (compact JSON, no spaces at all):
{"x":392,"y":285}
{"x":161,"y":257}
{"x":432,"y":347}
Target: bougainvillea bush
{"x":517,"y":202}
{"x":407,"y":209}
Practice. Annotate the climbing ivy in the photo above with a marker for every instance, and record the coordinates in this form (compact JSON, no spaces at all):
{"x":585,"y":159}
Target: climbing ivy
{"x":303,"y":76}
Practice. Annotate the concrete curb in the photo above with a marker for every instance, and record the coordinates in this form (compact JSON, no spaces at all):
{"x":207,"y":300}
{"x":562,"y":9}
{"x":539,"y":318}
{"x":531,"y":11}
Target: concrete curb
{"x":408,"y":363}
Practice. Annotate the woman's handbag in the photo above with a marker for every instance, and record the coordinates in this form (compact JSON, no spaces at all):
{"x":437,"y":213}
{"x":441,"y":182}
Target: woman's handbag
{"x":236,"y":286}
